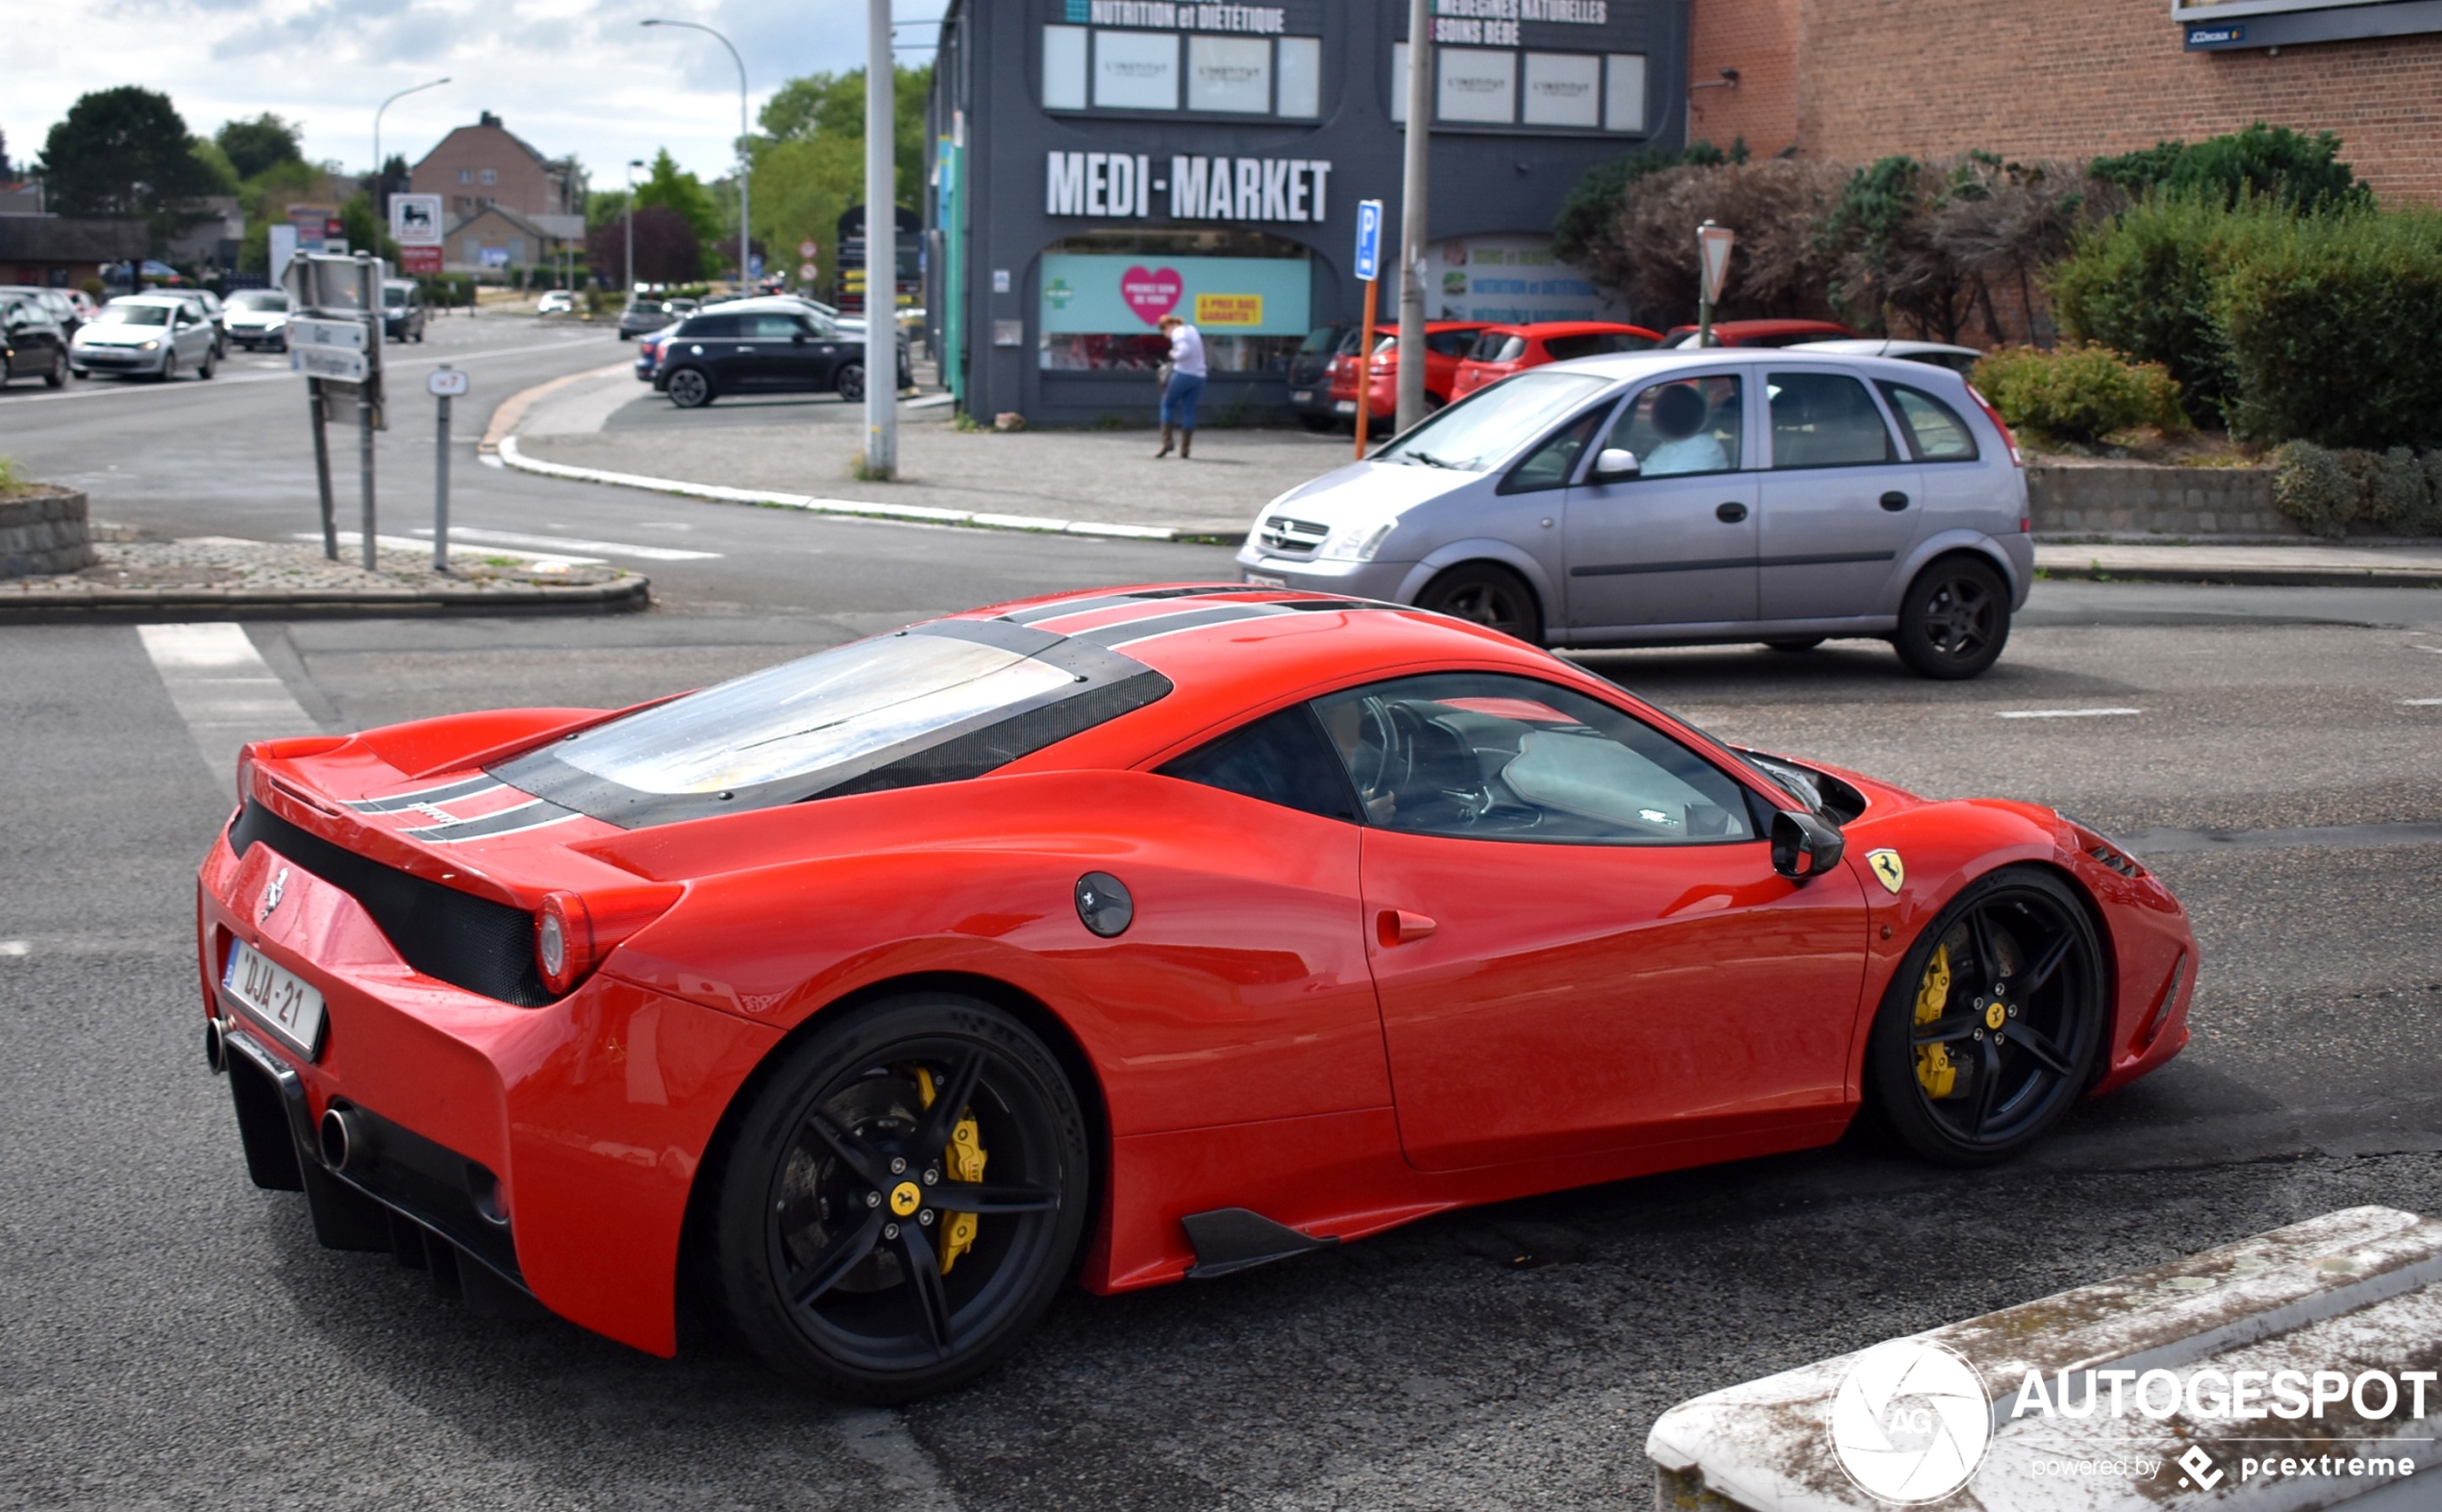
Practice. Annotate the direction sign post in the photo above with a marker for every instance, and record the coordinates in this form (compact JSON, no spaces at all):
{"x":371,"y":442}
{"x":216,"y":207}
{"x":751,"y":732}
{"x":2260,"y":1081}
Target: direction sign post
{"x":335,"y":338}
{"x":1712,"y":246}
{"x":1369,"y":269}
{"x":446,"y":384}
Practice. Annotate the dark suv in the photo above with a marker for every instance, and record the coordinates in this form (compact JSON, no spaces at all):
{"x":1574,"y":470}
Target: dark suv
{"x":759,"y":351}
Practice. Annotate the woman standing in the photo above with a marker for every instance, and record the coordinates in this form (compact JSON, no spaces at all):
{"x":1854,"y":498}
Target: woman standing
{"x":1180,"y":390}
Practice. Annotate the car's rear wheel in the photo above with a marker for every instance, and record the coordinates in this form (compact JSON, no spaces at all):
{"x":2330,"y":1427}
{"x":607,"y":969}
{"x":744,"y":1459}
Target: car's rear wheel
{"x":691,"y":388}
{"x":1955,"y":619}
{"x":851,"y":382}
{"x":1486,"y":593}
{"x":1989,"y":1030}
{"x":901,"y":1199}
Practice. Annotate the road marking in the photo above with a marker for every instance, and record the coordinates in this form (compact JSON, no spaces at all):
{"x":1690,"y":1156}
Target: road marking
{"x":2421,"y":703}
{"x":224,"y":690}
{"x":353,"y":538}
{"x":257,"y":375}
{"x":2157,"y":842}
{"x":2437,"y":650}
{"x":614,"y":548}
{"x":20,"y":947}
{"x":2064,"y":714}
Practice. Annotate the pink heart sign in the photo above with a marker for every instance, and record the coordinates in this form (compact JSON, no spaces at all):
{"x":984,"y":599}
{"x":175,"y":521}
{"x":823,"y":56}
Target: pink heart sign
{"x":1151,"y":292}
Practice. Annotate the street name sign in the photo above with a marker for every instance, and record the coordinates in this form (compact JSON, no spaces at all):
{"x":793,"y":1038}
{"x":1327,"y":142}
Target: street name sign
{"x":308,"y":332}
{"x":336,"y":365}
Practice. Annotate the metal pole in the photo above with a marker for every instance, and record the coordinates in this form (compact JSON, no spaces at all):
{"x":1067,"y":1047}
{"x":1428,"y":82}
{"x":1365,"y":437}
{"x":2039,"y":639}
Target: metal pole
{"x":322,"y":470}
{"x":629,"y":292}
{"x":1364,"y":375}
{"x":368,"y":292}
{"x":440,"y":488}
{"x":882,"y":251}
{"x":382,"y":200}
{"x":1412,"y":221}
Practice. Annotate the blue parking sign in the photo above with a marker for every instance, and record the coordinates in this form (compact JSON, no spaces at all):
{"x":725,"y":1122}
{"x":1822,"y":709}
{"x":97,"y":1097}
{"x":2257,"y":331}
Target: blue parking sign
{"x":1369,"y":239}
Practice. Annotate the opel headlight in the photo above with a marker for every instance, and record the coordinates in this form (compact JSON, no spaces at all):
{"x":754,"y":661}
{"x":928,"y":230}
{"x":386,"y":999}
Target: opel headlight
{"x":1356,"y":542}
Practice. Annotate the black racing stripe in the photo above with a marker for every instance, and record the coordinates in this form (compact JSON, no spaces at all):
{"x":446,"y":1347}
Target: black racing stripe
{"x":1135,"y":630}
{"x":465,"y":788}
{"x":532,"y":814}
{"x":1104,"y":600}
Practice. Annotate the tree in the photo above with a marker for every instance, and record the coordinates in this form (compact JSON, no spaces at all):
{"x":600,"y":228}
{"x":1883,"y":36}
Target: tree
{"x":366,"y":232}
{"x":667,"y":249}
{"x":680,"y":193}
{"x":809,"y":168}
{"x":257,"y":144}
{"x":124,"y":152}
{"x":2303,"y":173}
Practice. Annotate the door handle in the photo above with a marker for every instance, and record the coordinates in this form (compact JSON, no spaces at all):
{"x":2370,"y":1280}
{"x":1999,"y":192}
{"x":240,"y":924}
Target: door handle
{"x":1398,"y":926}
{"x":1730,"y":513}
{"x":1894,"y":501}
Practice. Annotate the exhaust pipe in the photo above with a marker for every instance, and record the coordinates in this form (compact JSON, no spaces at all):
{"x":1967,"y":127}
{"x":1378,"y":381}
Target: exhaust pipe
{"x":216,"y":1053}
{"x":347,"y":1144}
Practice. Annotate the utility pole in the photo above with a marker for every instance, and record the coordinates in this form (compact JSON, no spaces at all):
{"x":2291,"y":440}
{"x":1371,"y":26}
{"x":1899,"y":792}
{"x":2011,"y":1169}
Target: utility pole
{"x":1412,"y":223}
{"x":745,"y":150}
{"x":629,"y":292}
{"x":882,"y":250}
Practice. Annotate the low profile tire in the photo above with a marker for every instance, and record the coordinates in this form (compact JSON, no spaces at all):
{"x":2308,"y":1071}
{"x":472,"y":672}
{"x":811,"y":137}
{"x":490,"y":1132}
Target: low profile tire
{"x":1990,"y":1029}
{"x":851,"y":382}
{"x":1955,"y":619}
{"x":1795,"y":643}
{"x":1485,"y":593}
{"x":689,"y":388}
{"x":878,"y":1144}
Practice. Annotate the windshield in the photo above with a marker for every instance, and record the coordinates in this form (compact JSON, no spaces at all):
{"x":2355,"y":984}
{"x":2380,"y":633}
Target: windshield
{"x":133,"y":315}
{"x":1319,"y":340}
{"x":936,"y":702}
{"x":1475,"y":433}
{"x":394,"y":297}
{"x":259,"y":299}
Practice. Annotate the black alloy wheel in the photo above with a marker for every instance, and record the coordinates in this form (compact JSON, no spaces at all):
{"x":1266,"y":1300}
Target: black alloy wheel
{"x":902,"y":1199}
{"x":1955,"y":619}
{"x":1992,"y":1027}
{"x":689,"y":388}
{"x":1485,"y":593}
{"x":851,"y":382}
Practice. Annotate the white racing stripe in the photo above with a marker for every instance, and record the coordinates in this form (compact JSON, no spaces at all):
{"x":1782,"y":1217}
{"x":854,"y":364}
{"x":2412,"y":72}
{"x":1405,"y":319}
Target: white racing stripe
{"x":224,"y":690}
{"x":2065,"y":713}
{"x":570,"y":543}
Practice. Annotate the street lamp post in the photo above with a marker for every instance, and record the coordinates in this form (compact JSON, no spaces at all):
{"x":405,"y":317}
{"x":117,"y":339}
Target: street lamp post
{"x":746,"y":162}
{"x":381,"y":196}
{"x":628,"y":293}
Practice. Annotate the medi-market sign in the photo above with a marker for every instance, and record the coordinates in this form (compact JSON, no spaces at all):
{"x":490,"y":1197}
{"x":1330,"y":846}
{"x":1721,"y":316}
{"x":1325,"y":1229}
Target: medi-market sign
{"x":1118,"y":184}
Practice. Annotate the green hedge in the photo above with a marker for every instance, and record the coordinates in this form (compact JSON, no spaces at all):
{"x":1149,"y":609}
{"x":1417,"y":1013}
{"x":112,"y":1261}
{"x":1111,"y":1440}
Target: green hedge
{"x":2327,"y":490}
{"x":2078,"y":393}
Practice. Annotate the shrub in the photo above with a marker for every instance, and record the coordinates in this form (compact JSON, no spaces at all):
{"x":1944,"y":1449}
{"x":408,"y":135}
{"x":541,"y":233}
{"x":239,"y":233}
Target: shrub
{"x":2401,"y":497}
{"x":2079,"y":393}
{"x":2431,"y":524}
{"x":2312,"y":487}
{"x":2302,"y":172}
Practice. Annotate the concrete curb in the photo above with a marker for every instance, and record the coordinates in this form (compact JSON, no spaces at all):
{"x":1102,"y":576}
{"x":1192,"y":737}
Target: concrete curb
{"x":2224,"y":572}
{"x":513,"y":409}
{"x":512,"y":456}
{"x":628,"y":595}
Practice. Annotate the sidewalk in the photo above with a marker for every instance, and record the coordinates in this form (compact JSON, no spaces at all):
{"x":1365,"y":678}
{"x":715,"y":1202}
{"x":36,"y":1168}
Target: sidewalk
{"x":2409,"y":567}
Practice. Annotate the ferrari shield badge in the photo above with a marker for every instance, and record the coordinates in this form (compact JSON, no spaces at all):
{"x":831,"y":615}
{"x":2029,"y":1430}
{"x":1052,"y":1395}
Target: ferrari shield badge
{"x":272,"y":894}
{"x":1889,"y":869}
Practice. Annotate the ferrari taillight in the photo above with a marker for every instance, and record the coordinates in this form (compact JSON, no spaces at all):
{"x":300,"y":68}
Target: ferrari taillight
{"x":573,"y":932}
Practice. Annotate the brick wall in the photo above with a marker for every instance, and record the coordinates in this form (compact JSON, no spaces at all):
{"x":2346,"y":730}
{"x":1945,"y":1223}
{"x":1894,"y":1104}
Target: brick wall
{"x":1759,"y":38}
{"x":2075,"y":78}
{"x":519,"y":180}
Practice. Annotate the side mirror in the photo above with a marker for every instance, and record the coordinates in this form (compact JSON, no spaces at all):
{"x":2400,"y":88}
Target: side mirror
{"x":1803,"y":846}
{"x":1614,"y":463}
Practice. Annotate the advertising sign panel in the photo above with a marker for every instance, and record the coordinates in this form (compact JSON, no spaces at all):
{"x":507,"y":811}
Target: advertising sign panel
{"x":415,"y":220}
{"x":1096,"y":293}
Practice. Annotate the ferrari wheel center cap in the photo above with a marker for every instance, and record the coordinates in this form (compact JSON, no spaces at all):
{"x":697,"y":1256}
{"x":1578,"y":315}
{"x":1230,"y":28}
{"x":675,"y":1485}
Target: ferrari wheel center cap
{"x":905,"y":1197}
{"x":1996,"y":1014}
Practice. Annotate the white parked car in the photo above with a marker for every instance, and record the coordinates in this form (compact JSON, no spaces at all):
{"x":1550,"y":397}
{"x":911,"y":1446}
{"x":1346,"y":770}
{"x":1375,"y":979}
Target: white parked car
{"x":154,"y":335}
{"x":557,"y":301}
{"x":257,"y":319}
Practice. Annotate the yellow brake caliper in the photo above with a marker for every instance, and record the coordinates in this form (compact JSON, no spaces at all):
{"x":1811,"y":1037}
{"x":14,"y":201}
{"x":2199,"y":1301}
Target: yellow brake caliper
{"x":1933,"y":1071}
{"x":963,"y":1160}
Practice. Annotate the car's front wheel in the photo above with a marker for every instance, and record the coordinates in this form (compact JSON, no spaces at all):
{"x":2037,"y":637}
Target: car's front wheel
{"x":211,"y":364}
{"x":1486,"y":593}
{"x":689,"y":388}
{"x":902,"y":1200}
{"x":1955,"y":619}
{"x":851,"y":382}
{"x":1989,"y":1030}
{"x":170,"y":367}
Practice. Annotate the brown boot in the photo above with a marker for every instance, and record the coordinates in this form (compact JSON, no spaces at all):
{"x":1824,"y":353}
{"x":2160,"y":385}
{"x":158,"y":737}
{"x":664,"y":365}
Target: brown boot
{"x":1165,"y":444}
{"x":1187,"y":444}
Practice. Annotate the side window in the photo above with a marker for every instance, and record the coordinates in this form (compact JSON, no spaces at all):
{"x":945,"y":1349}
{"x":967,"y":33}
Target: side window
{"x":1451,"y":344}
{"x":1553,"y":463}
{"x":1498,"y":346}
{"x":1694,"y":425}
{"x":1825,"y":420}
{"x":712,"y":328}
{"x":769,"y":328}
{"x":1593,"y":343}
{"x":1935,"y":433}
{"x":1490,"y":756}
{"x":1280,"y":758}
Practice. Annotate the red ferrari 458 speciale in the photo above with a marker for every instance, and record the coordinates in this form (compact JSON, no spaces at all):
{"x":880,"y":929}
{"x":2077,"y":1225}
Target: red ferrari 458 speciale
{"x":1125,"y":935}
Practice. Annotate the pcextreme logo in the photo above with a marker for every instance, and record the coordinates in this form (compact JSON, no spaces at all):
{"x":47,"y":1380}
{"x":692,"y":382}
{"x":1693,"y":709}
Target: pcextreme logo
{"x":1910,"y":1423}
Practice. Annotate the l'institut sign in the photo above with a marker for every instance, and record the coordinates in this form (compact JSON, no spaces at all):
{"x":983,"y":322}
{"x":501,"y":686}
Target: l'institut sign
{"x":1117,"y":184}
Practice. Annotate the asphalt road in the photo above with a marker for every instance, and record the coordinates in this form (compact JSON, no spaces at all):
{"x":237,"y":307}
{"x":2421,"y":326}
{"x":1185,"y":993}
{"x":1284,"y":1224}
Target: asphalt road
{"x":171,"y":1337}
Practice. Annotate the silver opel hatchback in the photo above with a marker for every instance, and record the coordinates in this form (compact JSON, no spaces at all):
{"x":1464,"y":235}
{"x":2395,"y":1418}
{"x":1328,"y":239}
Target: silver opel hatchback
{"x":1684,"y":497}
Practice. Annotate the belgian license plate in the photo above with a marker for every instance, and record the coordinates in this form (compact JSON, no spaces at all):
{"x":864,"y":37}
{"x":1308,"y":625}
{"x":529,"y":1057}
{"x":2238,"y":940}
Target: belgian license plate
{"x":1345,"y":406}
{"x":1304,"y":396}
{"x":1266,"y":581}
{"x":275,"y":997}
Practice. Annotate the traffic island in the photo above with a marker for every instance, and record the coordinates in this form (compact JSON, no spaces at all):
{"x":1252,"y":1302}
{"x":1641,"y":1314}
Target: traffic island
{"x":43,"y":529}
{"x":223,"y":578}
{"x":2293,"y":1369}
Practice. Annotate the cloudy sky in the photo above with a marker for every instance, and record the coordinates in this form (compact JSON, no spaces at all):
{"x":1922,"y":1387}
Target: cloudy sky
{"x":569,"y":76}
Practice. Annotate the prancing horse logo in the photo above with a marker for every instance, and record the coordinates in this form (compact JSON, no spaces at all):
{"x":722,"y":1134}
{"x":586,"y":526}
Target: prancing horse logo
{"x":273,"y":891}
{"x":1889,"y":869}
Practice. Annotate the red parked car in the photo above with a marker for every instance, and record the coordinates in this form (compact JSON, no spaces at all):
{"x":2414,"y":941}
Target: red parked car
{"x":1447,"y":343}
{"x":1123,"y":935}
{"x":1502,"y":350}
{"x":1761,"y":332}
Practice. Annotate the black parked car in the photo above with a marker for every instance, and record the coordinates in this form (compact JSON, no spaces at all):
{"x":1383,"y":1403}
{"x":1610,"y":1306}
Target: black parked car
{"x":32,"y":344}
{"x":759,"y":351}
{"x":55,"y":302}
{"x":1310,"y":374}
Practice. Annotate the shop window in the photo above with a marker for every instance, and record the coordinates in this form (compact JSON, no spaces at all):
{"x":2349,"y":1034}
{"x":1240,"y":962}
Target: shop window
{"x":1101,"y":295}
{"x":1301,"y":74}
{"x":1556,"y":91}
{"x":1564,"y":89}
{"x":1230,"y":73}
{"x":1477,"y":85}
{"x":1137,"y":70}
{"x":1624,"y":93}
{"x":1064,"y":67}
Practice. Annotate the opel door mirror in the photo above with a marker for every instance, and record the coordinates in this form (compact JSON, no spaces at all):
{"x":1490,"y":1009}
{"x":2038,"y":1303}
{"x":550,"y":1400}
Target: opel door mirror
{"x":1804,"y":847}
{"x":1614,"y":463}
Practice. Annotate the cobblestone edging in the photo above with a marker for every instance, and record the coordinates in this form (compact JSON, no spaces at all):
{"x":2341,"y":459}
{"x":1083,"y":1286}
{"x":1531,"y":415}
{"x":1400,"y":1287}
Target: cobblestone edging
{"x":42,"y":530}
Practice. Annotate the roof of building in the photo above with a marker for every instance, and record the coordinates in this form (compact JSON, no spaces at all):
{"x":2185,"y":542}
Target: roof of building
{"x":70,"y":238}
{"x":488,"y":120}
{"x":539,"y":227}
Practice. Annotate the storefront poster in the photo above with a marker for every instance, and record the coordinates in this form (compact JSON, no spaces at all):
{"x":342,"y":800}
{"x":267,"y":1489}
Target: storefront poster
{"x":1514,"y":279}
{"x":1090,"y":293}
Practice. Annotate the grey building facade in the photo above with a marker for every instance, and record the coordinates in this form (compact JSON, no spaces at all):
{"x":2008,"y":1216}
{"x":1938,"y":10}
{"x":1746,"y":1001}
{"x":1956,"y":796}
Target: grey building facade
{"x":1098,"y":163}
